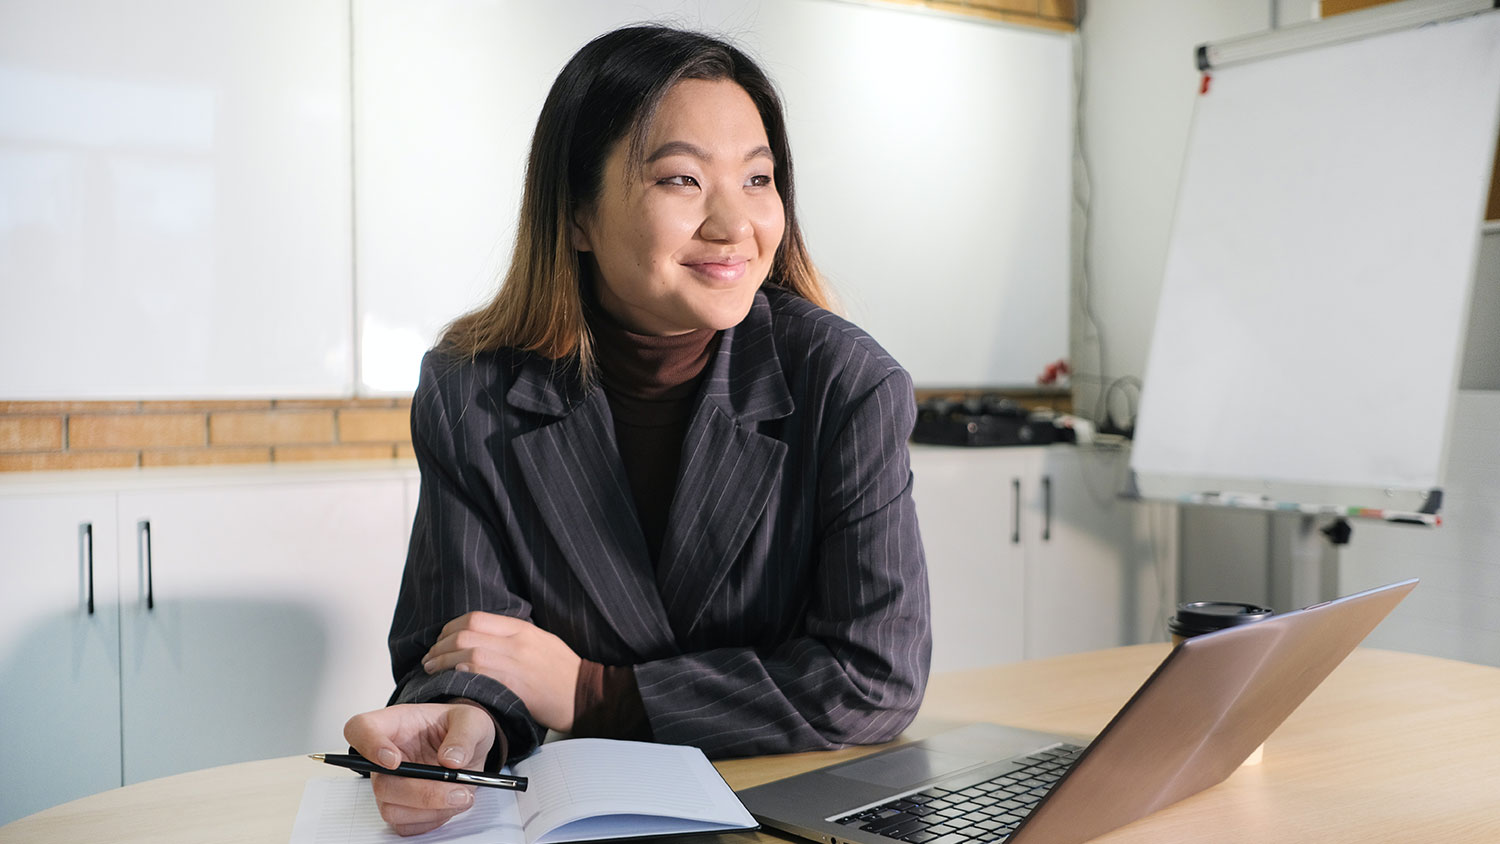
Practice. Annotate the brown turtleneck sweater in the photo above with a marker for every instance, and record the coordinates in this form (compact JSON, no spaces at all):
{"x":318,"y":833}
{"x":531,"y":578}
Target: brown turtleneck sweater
{"x":651,"y":383}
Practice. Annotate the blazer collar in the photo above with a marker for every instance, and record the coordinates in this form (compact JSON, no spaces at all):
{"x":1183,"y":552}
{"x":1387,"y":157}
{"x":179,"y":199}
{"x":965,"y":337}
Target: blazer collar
{"x":728,"y":476}
{"x":745,"y":379}
{"x":548,"y":387}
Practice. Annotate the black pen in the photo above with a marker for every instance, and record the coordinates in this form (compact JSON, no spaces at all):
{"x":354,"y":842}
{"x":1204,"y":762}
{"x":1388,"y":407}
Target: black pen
{"x":355,"y":762}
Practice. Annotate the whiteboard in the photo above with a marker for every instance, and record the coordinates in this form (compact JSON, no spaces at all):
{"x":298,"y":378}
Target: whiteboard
{"x":1311,"y":318}
{"x":933,"y":157}
{"x":174,"y":200}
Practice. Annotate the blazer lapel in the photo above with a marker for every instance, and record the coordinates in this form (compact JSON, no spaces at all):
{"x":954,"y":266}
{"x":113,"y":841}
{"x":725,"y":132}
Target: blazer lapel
{"x":729,"y":470}
{"x":573,"y":470}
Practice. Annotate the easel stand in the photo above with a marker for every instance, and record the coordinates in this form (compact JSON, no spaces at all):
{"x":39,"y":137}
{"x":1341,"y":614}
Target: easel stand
{"x":1303,"y":561}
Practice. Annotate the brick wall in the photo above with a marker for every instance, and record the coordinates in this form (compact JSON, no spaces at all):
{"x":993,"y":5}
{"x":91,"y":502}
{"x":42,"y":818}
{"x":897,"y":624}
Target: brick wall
{"x":43,"y":436}
{"x":104,"y":435}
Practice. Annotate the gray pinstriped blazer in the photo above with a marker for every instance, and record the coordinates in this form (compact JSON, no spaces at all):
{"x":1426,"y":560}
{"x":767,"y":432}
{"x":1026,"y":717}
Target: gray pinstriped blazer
{"x":789,"y":608}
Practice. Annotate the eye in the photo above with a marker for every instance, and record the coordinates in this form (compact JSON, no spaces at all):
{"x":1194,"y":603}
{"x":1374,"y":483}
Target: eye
{"x":761,"y":181}
{"x":679,"y":181}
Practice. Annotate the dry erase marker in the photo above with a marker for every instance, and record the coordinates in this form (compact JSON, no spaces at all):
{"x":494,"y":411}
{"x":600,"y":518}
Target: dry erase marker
{"x":355,"y":762}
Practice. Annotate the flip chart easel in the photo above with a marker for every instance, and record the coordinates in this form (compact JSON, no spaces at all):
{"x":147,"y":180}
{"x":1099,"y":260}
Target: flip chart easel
{"x":1306,"y":351}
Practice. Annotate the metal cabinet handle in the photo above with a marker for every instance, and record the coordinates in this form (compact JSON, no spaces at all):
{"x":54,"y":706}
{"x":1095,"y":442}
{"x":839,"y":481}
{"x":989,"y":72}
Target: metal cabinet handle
{"x":143,"y":546}
{"x":1015,"y":511}
{"x":1046,"y":508}
{"x":86,"y":551}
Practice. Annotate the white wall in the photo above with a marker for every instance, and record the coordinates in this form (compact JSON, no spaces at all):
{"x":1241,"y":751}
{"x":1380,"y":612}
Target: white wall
{"x":1139,"y":81}
{"x":1455,"y":611}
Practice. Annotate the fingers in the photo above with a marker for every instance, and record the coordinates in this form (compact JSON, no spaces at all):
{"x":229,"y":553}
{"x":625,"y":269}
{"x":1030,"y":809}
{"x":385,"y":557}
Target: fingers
{"x":416,"y":829}
{"x":477,"y":642}
{"x":414,"y":806}
{"x":467,"y":660}
{"x":475,"y":650}
{"x":471,"y":734}
{"x":485,"y":622}
{"x":373,"y":734}
{"x":463,"y":642}
{"x":456,"y":735}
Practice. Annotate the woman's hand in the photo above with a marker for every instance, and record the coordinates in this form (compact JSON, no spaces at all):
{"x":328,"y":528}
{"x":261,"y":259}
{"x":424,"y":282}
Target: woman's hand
{"x":539,"y":667}
{"x":454,"y":735}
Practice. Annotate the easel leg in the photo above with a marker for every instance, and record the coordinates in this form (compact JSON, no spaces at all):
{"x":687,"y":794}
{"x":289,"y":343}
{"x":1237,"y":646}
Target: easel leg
{"x":1304,"y":564}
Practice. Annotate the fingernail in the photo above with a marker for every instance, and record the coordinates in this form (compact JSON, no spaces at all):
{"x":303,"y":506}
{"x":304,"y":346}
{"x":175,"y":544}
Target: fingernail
{"x":453,"y":755}
{"x":458,"y":797}
{"x":427,"y":666}
{"x":388,"y":758}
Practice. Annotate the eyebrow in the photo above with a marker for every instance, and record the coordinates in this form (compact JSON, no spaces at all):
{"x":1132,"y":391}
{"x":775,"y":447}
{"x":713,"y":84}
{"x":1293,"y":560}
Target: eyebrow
{"x":671,"y":148}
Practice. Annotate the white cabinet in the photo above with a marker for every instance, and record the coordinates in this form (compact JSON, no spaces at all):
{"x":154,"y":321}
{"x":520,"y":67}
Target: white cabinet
{"x":1090,"y":582}
{"x":969,"y":510}
{"x":176,"y":186}
{"x":1030,"y":554}
{"x":265,"y":607}
{"x":235,"y":618}
{"x":59,"y":660}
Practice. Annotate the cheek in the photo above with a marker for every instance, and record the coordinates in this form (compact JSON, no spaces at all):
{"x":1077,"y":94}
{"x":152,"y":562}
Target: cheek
{"x":661,"y":230}
{"x":770,"y":226}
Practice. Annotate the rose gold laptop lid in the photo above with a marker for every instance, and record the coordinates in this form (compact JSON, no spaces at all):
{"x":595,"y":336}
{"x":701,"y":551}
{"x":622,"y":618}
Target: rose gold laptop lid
{"x":1210,"y":703}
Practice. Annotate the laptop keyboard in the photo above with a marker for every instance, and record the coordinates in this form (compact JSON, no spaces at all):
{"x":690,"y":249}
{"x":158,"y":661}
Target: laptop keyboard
{"x":986,"y":812}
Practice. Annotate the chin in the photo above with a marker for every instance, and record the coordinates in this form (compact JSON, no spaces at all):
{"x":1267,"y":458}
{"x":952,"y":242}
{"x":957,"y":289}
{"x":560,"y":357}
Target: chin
{"x":727,"y":315}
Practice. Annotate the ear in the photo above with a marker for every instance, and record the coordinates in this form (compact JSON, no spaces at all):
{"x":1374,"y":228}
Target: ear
{"x":578,"y":236}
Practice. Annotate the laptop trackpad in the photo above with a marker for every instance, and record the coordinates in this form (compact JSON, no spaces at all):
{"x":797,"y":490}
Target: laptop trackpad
{"x":908,"y":766}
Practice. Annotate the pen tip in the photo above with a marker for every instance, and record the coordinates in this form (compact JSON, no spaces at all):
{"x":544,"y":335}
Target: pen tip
{"x":318,"y":756}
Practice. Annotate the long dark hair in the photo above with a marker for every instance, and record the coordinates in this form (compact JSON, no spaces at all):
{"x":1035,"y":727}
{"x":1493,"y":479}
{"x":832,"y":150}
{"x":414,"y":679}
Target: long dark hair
{"x":609,"y":91}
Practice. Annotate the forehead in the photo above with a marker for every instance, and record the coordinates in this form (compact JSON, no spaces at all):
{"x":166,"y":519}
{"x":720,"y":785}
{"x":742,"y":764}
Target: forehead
{"x":706,"y":111}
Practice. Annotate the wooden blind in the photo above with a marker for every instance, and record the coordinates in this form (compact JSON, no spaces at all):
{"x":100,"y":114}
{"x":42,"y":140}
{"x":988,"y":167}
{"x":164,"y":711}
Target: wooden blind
{"x":1047,"y":14}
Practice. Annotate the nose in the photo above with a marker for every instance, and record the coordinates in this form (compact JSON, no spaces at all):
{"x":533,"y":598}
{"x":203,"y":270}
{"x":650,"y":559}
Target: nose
{"x":726,"y":219}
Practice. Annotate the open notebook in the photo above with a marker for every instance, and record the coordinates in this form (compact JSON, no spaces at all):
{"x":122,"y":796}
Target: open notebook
{"x":580,"y":790}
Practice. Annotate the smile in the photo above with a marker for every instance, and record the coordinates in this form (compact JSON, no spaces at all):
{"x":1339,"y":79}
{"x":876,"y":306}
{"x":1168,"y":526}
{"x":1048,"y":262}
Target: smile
{"x":720,"y":271}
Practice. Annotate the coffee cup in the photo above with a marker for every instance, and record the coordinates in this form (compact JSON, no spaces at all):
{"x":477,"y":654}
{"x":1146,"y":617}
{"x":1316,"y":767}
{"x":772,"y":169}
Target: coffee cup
{"x":1200,"y":617}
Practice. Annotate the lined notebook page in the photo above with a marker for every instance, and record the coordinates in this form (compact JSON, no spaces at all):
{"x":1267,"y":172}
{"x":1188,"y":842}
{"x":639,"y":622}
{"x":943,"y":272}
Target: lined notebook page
{"x":341,"y":810}
{"x":623,"y":781}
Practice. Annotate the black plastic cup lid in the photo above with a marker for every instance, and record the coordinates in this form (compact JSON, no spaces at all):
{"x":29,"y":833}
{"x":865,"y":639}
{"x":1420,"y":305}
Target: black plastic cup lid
{"x":1207,"y":616}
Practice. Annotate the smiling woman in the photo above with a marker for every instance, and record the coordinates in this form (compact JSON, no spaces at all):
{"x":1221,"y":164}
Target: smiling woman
{"x":589,"y":153}
{"x":665,"y":495}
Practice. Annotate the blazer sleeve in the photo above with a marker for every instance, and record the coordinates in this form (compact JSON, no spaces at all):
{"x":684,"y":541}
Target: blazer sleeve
{"x":454,"y":562}
{"x":857,"y":673}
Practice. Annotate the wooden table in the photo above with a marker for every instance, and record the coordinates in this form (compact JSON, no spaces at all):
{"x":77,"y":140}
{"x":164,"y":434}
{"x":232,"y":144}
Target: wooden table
{"x":1391,"y":746}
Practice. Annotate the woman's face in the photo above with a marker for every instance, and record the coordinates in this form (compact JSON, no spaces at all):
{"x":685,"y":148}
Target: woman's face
{"x":684,"y":243}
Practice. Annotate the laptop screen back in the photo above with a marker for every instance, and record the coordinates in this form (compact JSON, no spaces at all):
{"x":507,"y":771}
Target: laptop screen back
{"x":1206,"y":708}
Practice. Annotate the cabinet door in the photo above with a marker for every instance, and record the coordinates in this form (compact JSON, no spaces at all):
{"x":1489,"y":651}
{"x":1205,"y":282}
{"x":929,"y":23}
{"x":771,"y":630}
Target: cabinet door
{"x":59,"y":661}
{"x":1085,"y":586}
{"x":969,"y":508}
{"x":255,"y":623}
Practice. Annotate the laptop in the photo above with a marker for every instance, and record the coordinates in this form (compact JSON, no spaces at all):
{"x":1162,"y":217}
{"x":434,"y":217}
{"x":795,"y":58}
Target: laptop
{"x":1204,"y":710}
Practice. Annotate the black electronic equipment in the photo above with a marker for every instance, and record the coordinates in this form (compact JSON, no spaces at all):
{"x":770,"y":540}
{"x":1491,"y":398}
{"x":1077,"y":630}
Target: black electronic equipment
{"x":987,"y":420}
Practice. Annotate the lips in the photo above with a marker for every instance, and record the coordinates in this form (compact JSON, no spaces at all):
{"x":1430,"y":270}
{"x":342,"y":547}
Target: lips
{"x":721,"y":270}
